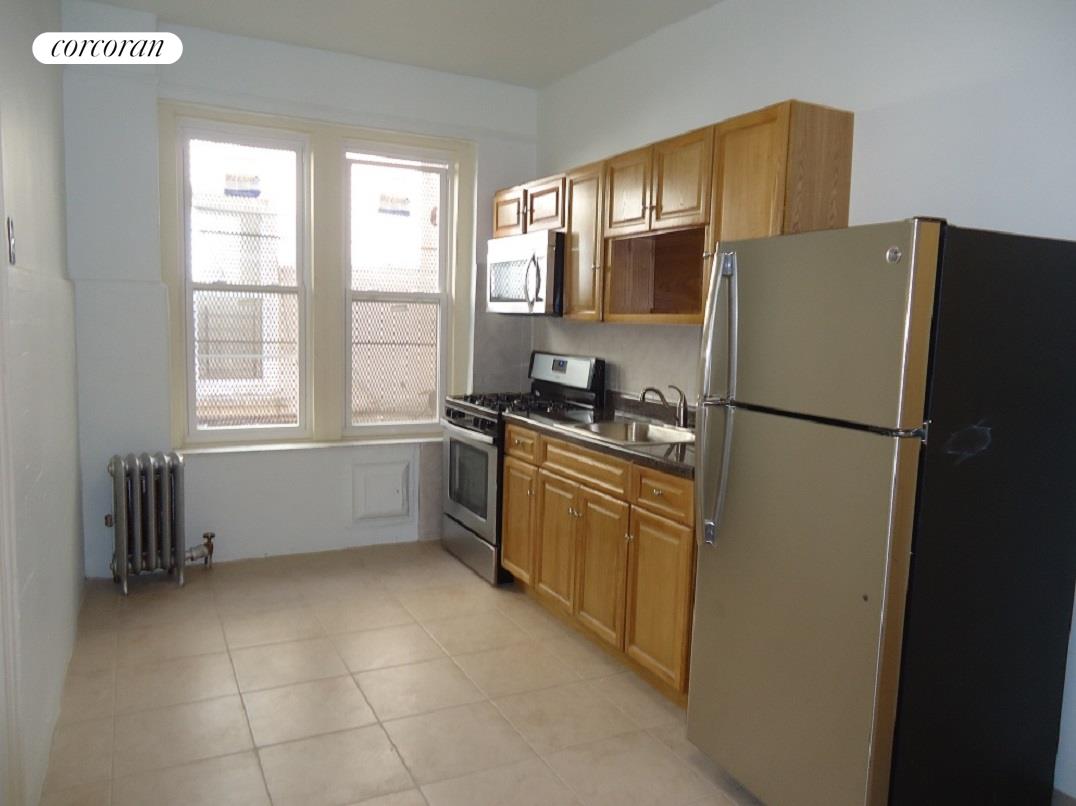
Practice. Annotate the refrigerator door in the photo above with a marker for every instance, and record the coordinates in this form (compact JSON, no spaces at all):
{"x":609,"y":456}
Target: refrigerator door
{"x":799,"y":609}
{"x":832,"y":324}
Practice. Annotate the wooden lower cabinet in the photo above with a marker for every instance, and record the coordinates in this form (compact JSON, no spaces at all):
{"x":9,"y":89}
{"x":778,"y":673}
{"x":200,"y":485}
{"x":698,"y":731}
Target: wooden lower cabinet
{"x":607,"y":560}
{"x":554,"y":570}
{"x":519,"y":518}
{"x":659,"y":578}
{"x":601,"y":565}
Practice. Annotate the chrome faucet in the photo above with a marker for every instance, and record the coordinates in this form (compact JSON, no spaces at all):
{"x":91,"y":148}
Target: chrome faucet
{"x":648,"y":390}
{"x":681,"y":405}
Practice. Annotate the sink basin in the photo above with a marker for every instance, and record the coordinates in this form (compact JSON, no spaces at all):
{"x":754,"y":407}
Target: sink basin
{"x":634,"y":432}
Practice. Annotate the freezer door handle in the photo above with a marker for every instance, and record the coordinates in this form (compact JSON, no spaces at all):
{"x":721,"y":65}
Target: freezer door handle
{"x":728,"y":269}
{"x":710,"y":507}
{"x":724,"y":266}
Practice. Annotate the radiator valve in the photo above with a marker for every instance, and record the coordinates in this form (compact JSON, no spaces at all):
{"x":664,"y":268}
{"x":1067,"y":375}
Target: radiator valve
{"x":203,"y":552}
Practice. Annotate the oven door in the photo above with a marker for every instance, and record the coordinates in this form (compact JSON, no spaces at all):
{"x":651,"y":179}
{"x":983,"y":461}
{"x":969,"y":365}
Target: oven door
{"x":470,"y":480}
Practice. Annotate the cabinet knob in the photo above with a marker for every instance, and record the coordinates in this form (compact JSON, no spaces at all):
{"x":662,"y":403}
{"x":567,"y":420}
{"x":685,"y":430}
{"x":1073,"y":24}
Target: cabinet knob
{"x":627,"y":536}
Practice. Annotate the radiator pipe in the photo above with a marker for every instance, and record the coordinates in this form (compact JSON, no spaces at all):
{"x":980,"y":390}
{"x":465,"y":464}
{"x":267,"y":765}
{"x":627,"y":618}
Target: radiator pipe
{"x":203,"y":552}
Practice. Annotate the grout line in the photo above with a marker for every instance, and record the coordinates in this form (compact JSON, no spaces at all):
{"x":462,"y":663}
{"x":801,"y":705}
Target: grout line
{"x":250,"y":730}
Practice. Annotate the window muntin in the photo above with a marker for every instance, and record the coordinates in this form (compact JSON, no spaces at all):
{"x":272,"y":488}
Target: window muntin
{"x":245,"y":283}
{"x":397,"y":239}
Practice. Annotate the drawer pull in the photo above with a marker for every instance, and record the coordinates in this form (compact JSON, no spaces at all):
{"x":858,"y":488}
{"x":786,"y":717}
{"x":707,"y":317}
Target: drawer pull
{"x":656,"y":492}
{"x":517,"y":441}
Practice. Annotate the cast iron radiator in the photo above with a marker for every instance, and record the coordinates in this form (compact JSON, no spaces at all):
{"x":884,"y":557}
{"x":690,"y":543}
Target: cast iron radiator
{"x":147,"y":515}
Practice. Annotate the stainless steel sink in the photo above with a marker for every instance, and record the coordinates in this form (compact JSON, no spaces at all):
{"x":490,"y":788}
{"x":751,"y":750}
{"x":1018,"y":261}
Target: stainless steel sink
{"x":635,"y":432}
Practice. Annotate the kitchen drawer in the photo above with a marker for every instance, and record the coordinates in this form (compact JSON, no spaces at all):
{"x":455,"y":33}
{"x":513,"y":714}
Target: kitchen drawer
{"x":596,"y":470}
{"x":521,"y":443}
{"x":671,"y":496}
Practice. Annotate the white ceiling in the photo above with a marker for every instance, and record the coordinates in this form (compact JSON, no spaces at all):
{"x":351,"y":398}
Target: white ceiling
{"x":527,"y":42}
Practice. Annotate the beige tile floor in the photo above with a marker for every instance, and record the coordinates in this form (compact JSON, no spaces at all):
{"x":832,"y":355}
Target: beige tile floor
{"x":388,"y":676}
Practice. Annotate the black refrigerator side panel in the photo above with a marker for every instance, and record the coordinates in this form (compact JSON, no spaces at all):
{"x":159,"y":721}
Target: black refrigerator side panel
{"x":994,"y":553}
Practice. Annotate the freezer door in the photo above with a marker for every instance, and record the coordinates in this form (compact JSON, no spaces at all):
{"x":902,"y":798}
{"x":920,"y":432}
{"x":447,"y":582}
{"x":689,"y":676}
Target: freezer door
{"x":832,"y":324}
{"x":799,"y":610}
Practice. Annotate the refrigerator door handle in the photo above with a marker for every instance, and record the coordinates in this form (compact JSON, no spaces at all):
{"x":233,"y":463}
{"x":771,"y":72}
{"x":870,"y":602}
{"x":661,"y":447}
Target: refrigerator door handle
{"x":724,"y":266}
{"x":708,"y":517}
{"x":728,"y":269}
{"x":707,"y":363}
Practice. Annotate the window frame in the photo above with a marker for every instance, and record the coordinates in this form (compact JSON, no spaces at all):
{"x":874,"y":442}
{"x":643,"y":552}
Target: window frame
{"x":256,"y":137}
{"x":326,"y":277}
{"x":447,"y":164}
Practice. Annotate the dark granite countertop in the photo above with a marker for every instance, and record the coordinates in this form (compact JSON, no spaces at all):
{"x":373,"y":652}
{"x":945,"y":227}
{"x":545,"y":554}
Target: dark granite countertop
{"x":678,"y":459}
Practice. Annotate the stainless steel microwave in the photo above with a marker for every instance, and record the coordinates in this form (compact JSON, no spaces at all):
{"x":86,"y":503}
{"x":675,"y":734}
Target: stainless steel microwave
{"x":524,"y":274}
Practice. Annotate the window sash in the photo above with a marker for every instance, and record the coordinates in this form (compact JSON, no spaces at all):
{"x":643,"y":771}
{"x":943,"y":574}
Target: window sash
{"x":411,"y":159}
{"x":255,"y":137}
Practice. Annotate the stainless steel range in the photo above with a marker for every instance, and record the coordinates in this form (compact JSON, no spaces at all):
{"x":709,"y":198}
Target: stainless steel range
{"x":563,"y":387}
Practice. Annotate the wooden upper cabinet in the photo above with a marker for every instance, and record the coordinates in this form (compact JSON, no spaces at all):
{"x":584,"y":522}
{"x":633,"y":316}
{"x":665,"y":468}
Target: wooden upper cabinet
{"x":518,"y":523}
{"x":535,"y":206}
{"x":627,"y":192}
{"x":660,"y":576}
{"x":783,"y":169}
{"x":554,"y":570}
{"x":601,"y":565}
{"x":545,"y":204}
{"x":583,"y":258}
{"x":508,"y":211}
{"x":682,"y":179}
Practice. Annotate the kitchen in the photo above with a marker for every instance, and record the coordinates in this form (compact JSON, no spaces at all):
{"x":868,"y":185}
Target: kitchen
{"x":973,"y":165}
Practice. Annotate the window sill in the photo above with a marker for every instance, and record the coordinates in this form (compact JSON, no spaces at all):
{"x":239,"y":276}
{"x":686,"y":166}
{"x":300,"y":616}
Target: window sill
{"x":350,"y":442}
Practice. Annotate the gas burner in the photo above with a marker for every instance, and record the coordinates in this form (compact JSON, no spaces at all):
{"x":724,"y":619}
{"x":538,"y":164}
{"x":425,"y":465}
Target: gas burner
{"x":527,"y":403}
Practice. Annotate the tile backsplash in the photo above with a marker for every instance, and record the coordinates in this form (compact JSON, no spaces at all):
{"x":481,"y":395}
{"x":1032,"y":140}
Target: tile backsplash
{"x":502,"y":345}
{"x":636,"y":356}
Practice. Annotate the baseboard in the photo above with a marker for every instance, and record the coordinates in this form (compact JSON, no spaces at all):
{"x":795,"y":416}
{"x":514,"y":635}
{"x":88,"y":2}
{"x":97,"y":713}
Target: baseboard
{"x":1061,"y":799}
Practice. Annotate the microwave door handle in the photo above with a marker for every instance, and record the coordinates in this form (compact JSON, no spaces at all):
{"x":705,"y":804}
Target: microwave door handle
{"x":537,"y":280}
{"x":527,"y":279}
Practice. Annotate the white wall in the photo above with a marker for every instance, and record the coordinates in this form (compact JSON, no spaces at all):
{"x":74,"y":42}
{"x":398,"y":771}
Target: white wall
{"x":39,"y":366}
{"x":114,"y":238}
{"x":964,"y":110}
{"x":242,"y":501}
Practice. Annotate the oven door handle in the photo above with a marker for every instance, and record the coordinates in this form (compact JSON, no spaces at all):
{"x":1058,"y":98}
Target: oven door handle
{"x":465,"y":433}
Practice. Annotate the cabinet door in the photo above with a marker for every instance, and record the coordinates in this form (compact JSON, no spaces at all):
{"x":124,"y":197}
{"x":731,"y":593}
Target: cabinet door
{"x":627,"y":192}
{"x":508,"y":215}
{"x":749,"y":177}
{"x":602,"y":565}
{"x":583,"y":263}
{"x":660,"y":560}
{"x":554,"y":572}
{"x":682,"y":179}
{"x":517,"y":532}
{"x":545,"y":204}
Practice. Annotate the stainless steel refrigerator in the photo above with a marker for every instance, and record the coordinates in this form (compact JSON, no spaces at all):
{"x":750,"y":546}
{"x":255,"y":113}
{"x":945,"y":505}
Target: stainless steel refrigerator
{"x":886,"y":515}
